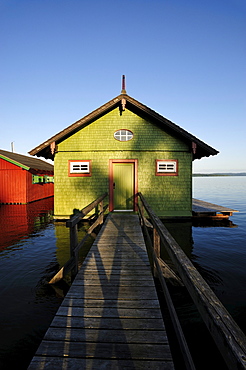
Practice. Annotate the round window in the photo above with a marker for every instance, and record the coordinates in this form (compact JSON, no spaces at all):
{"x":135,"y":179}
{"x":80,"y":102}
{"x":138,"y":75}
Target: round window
{"x":123,"y":135}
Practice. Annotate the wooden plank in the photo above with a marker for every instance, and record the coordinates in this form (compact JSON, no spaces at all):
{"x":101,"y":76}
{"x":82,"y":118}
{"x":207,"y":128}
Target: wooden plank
{"x":99,"y":276}
{"x":106,"y":350}
{"x":120,"y":336}
{"x":117,"y":271}
{"x":126,"y":303}
{"x":114,"y":273}
{"x":125,"y":278}
{"x":120,"y":244}
{"x":118,"y":268}
{"x":56,"y":363}
{"x":123,"y":282}
{"x":118,"y":262}
{"x":107,"y":323}
{"x":121,"y":253}
{"x":124,"y":294}
{"x":110,"y":312}
{"x":113,"y":290}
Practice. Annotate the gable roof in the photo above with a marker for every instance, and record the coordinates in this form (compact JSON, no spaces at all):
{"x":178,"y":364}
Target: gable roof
{"x":200,"y":149}
{"x":25,"y":162}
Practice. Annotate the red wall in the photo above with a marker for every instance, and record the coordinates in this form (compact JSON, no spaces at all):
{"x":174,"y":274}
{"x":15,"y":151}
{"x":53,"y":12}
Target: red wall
{"x":38,"y":191}
{"x":16,"y":185}
{"x":12,"y":183}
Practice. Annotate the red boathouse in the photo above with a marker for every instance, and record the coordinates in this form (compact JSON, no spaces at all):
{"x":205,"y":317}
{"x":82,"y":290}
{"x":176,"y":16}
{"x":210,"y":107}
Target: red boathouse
{"x":24,"y":179}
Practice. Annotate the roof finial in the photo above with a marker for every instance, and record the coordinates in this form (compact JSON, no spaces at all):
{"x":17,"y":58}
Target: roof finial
{"x":123,"y":91}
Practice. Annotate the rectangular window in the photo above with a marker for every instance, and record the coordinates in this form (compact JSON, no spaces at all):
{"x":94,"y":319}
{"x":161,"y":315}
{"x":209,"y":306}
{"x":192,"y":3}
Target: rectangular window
{"x":48,"y":179}
{"x":36,"y":179}
{"x":167,"y":167}
{"x":79,"y":168}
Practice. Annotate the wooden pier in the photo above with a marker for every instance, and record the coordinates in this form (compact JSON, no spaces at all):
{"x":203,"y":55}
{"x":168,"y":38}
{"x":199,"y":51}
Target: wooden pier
{"x":205,"y":209}
{"x":110,"y":317}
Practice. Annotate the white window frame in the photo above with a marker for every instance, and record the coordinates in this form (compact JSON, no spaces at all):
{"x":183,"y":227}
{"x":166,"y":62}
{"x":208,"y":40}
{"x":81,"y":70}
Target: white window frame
{"x":167,"y":167}
{"x":122,"y":134}
{"x":79,"y":168}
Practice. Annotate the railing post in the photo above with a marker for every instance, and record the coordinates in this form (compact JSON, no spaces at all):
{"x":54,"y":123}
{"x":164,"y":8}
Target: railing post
{"x":101,"y":212}
{"x":157,"y":248}
{"x":142,"y":209}
{"x":156,"y":243}
{"x":73,"y":244}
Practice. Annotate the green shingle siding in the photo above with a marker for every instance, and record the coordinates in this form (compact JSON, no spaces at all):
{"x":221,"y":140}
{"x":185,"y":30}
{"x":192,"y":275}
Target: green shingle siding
{"x":99,"y":135}
{"x":167,"y":195}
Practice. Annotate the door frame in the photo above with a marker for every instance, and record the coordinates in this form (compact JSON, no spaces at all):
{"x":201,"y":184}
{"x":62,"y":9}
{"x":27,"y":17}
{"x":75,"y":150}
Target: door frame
{"x":111,"y":181}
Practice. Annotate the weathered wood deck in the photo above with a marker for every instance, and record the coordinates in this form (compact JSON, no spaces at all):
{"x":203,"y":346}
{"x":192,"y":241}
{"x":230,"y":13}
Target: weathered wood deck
{"x":110,"y":317}
{"x":205,"y":209}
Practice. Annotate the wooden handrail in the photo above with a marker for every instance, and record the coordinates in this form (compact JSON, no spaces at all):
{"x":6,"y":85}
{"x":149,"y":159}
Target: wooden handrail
{"x":75,"y":246}
{"x":76,"y":218}
{"x":227,"y":335}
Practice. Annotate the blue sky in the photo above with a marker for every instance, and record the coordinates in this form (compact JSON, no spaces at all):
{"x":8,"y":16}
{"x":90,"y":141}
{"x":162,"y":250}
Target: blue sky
{"x":61,"y":59}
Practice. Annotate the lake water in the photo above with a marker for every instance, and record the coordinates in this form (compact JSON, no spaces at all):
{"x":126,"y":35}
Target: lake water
{"x":32,"y":248}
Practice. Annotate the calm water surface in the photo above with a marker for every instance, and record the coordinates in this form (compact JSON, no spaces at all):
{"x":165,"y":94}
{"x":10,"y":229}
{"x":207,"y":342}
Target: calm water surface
{"x":221,"y":251}
{"x":32,"y":248}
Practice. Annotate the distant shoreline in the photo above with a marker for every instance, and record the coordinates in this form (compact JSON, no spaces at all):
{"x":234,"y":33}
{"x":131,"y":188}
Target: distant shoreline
{"x":218,"y":174}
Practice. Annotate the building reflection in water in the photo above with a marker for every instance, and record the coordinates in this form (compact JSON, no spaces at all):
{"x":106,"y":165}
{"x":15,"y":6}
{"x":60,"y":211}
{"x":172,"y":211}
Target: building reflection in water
{"x":20,"y":220}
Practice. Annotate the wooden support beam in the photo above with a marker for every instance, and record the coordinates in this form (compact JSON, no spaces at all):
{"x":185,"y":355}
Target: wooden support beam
{"x":73,"y":244}
{"x":69,"y":265}
{"x":156,"y":243}
{"x":169,"y":274}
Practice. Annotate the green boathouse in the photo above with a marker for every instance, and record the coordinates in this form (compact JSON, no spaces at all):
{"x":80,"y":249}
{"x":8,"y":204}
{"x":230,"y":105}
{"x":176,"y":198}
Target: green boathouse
{"x":123,"y":148}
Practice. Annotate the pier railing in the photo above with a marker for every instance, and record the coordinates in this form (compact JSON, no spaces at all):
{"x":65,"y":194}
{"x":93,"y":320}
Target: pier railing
{"x":228,"y":337}
{"x":72,"y":264}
